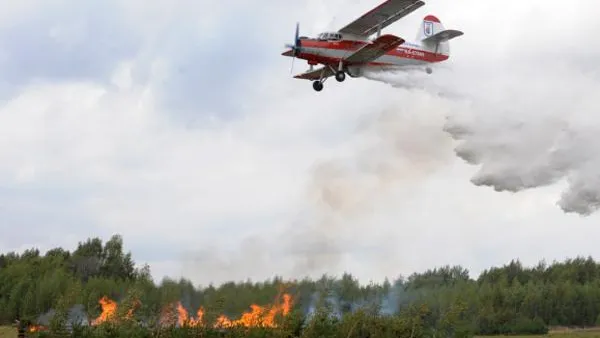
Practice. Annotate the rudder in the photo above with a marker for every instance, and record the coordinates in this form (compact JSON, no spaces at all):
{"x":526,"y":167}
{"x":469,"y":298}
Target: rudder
{"x":434,"y":37}
{"x":430,"y":26}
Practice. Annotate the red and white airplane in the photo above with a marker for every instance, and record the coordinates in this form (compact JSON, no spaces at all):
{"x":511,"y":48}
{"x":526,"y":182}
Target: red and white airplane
{"x":351,"y":50}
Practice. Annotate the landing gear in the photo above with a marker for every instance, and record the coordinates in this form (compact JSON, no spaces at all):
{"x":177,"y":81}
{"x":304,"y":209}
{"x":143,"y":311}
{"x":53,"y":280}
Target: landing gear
{"x":318,"y":85}
{"x":340,"y":76}
{"x":429,"y":70}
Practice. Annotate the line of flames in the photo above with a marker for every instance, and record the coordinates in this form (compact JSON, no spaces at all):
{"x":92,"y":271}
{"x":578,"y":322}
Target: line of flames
{"x":36,"y":328}
{"x":257,"y":316}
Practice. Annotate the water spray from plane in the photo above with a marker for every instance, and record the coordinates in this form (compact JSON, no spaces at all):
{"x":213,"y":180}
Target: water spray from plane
{"x":524,"y":128}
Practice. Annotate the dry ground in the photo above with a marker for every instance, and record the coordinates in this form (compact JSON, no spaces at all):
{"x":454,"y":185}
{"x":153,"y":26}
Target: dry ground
{"x":564,"y":333}
{"x":11,"y":332}
{"x":8,"y":332}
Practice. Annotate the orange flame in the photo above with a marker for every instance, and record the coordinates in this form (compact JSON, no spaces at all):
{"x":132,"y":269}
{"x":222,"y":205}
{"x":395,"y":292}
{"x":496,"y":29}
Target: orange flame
{"x":182,"y":315}
{"x":109,"y":308}
{"x":36,"y":328}
{"x":258,"y":316}
{"x":167,"y":316}
{"x":134,"y":306}
{"x":223,"y":321}
{"x":177,"y":314}
{"x":183,"y":318}
{"x":198,"y":320}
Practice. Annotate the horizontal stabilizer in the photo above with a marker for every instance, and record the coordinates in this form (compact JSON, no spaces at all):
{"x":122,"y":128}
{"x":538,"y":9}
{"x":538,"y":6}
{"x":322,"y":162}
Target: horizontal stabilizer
{"x":443,"y":36}
{"x":374,"y":49}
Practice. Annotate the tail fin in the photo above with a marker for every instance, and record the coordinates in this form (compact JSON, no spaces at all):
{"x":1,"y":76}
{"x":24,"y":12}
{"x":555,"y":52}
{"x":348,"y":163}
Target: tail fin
{"x":434,"y":36}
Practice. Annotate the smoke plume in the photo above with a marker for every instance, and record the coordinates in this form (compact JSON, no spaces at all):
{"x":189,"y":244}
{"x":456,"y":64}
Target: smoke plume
{"x":75,"y":316}
{"x":395,"y":149}
{"x":392,"y":150}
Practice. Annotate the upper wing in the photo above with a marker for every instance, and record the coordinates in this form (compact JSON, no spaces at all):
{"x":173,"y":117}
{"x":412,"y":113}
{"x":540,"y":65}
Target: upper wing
{"x":375,"y":49}
{"x":316,"y":74}
{"x":381,"y":16}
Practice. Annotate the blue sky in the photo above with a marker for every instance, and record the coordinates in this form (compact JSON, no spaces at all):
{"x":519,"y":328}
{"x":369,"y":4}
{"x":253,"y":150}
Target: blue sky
{"x":181,"y":129}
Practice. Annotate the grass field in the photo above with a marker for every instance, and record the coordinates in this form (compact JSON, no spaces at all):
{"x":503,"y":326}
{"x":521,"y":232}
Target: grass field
{"x":10,"y":332}
{"x":571,"y":334}
{"x":562,"y":333}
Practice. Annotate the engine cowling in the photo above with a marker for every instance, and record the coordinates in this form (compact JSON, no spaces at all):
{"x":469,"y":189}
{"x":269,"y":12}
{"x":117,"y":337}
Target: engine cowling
{"x":354,"y":71}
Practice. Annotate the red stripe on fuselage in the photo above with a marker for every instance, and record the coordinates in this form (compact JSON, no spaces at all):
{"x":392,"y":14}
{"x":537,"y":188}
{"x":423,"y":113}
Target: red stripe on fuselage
{"x":328,"y":60}
{"x":399,"y":52}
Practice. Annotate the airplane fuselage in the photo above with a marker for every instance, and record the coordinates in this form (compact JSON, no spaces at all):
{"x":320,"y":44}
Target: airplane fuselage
{"x":317,"y":51}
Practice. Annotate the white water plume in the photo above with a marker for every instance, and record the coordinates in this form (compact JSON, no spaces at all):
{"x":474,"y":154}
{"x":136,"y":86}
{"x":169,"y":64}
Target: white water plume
{"x":525,"y":127}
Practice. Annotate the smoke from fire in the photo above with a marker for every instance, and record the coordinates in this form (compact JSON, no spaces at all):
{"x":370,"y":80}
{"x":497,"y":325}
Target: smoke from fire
{"x":394,"y":149}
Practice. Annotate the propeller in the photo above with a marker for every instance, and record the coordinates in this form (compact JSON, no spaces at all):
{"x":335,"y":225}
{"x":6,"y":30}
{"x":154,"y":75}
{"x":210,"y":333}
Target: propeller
{"x":296,"y":47}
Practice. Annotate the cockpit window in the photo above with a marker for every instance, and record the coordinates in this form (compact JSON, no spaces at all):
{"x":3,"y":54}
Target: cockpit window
{"x":330,"y":36}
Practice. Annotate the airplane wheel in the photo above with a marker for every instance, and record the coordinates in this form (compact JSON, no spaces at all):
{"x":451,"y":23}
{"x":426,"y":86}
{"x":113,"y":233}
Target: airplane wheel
{"x":340,"y":76}
{"x":429,"y":70}
{"x":318,"y":86}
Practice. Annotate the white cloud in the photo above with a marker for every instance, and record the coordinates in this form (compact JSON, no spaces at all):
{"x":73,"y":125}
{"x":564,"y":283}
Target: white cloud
{"x":231,"y":193}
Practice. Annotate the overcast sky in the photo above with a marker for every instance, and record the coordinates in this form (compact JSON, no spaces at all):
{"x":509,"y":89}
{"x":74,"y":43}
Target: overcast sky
{"x":177,"y":124}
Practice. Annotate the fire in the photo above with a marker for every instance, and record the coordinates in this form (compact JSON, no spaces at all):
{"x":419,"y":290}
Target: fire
{"x":183,"y":318}
{"x":258,"y":315}
{"x":109,"y":308}
{"x":36,"y":328}
{"x":136,"y":304}
{"x":198,"y":320}
{"x":168,"y":316}
{"x":223,"y":321}
{"x":182,"y":315}
{"x":265,"y":317}
{"x":176,"y":313}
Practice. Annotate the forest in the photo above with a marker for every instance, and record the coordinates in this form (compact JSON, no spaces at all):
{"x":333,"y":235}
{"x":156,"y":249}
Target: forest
{"x":98,"y":291}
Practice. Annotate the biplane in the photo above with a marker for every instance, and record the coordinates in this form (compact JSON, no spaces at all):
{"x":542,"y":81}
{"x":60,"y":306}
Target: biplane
{"x":352,"y":51}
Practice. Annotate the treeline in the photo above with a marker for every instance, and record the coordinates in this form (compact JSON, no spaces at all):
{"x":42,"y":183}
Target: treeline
{"x":444,"y":301}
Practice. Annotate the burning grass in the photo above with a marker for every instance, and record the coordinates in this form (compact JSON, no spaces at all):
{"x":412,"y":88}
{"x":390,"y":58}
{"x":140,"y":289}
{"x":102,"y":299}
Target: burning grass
{"x":175,"y":315}
{"x":277,"y":320}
